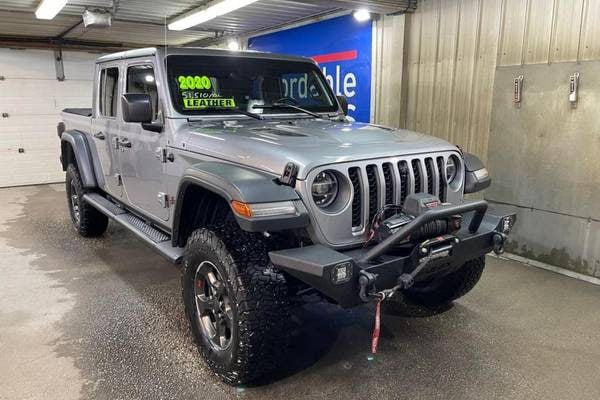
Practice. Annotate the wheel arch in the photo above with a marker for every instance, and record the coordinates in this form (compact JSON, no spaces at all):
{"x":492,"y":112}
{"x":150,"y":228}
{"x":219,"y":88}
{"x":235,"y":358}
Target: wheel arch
{"x":214,"y":185}
{"x":204,"y":202}
{"x":75,"y":149}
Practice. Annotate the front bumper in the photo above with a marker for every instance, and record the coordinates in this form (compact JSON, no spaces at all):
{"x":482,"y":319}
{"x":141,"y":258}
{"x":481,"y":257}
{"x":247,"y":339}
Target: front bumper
{"x":483,"y":230}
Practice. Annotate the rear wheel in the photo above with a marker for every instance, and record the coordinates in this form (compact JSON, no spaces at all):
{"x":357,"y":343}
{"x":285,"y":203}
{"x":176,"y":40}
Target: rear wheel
{"x":434,"y":296}
{"x":236,"y":303}
{"x":87,"y":221}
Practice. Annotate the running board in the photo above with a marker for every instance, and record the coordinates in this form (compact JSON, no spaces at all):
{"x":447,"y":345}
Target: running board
{"x":158,"y":240}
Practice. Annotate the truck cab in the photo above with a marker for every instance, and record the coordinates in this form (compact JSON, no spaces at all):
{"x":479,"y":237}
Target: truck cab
{"x":245,"y":168}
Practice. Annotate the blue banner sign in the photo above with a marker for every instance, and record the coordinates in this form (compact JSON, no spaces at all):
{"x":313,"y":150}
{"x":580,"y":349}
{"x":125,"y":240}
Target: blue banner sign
{"x":341,"y":46}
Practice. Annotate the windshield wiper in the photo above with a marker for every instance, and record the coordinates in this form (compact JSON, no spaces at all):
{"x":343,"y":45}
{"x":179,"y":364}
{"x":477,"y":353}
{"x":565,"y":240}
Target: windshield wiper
{"x":237,"y":111}
{"x":284,"y":105}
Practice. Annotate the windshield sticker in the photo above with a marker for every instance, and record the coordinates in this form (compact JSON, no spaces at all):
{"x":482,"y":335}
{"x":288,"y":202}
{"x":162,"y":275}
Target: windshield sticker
{"x":194,"y":82}
{"x":200,"y":101}
{"x":197,"y":93}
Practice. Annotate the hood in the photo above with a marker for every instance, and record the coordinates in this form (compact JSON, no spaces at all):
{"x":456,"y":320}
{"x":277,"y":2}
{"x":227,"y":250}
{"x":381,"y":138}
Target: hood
{"x":308,"y":143}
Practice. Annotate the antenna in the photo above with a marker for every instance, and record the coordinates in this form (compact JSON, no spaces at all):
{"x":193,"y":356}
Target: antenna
{"x":166,"y":43}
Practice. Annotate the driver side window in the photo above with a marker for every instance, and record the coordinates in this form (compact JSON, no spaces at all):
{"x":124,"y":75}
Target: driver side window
{"x":140,"y":80}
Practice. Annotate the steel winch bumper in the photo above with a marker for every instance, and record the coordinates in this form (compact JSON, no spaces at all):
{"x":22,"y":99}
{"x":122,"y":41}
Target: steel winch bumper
{"x":340,"y":275}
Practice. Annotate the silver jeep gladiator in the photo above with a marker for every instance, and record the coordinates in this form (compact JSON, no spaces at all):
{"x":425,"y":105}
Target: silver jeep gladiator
{"x":245,"y":168}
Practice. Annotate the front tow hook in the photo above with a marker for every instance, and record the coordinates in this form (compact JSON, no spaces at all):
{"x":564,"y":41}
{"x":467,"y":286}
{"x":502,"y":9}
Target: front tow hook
{"x":428,"y":251}
{"x":499,"y":240}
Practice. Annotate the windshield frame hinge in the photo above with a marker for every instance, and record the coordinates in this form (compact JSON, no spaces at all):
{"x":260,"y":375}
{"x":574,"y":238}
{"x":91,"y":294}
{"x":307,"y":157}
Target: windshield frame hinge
{"x":289,"y":176}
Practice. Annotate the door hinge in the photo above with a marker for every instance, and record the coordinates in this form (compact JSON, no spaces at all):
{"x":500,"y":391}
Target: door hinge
{"x":163,"y":199}
{"x":163,"y":155}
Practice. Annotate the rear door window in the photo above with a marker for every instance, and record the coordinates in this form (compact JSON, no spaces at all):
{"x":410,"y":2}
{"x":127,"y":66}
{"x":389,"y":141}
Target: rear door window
{"x":109,"y":91}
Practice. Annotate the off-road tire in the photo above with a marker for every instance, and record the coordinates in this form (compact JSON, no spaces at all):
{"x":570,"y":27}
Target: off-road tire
{"x":436,"y":296}
{"x":87,"y":221}
{"x":258,"y":297}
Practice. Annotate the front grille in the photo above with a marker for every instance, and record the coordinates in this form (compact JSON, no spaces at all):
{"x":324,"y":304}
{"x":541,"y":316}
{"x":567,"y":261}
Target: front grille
{"x":429,"y":169}
{"x":386,"y":183}
{"x":404,"y":176}
{"x":389,"y":185}
{"x":373,"y":197}
{"x":354,"y":175}
{"x":416,"y":165}
{"x":441,"y":178}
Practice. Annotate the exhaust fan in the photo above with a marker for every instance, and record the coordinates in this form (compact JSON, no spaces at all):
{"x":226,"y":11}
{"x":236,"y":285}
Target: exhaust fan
{"x":97,"y":19}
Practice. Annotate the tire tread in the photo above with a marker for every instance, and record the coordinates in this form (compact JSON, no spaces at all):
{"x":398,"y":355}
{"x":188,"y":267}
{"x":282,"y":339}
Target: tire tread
{"x":260,"y":295}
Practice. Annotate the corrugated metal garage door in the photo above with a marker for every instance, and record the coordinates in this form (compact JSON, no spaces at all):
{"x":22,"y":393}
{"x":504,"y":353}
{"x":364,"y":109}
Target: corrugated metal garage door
{"x":31,"y":99}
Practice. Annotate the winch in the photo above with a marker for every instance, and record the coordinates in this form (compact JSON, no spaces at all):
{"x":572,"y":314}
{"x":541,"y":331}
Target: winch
{"x":415,"y":205}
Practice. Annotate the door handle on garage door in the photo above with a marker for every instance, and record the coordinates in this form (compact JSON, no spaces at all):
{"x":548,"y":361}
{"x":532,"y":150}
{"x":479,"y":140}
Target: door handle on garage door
{"x":99,"y":135}
{"x":124,"y":143}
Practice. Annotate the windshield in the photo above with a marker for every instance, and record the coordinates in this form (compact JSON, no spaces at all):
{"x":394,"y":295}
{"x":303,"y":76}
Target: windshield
{"x":209,"y":84}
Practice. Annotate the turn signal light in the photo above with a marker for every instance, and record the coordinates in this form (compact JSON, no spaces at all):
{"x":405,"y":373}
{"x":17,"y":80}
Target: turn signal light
{"x":261,"y":210}
{"x":241,"y":209}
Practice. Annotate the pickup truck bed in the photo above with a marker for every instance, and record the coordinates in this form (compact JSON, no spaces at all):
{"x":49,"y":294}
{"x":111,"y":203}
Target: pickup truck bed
{"x":84,"y":112}
{"x":79,"y":119}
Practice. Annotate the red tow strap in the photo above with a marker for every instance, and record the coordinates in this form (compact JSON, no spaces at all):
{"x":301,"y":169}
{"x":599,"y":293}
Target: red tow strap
{"x":377,"y":329}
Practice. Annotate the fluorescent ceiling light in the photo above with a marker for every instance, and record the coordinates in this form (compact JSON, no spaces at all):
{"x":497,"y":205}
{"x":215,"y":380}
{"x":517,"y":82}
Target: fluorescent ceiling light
{"x":233,"y":44}
{"x":49,"y":8}
{"x":362,"y":15}
{"x":214,"y":10}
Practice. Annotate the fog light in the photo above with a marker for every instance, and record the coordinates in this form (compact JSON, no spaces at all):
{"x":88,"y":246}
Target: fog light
{"x":341,"y":273}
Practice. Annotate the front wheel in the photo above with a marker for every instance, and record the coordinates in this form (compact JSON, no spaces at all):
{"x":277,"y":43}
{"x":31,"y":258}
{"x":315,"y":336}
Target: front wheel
{"x":236,"y":304}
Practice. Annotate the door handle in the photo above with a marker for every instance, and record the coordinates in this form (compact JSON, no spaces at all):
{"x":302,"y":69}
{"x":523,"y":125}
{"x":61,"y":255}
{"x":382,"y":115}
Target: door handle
{"x":99,"y":135}
{"x":124,"y":143}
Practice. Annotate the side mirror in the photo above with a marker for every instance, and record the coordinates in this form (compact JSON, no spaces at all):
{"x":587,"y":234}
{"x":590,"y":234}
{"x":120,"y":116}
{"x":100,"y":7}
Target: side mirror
{"x":477,"y":177}
{"x":137,"y":108}
{"x":343,"y":103}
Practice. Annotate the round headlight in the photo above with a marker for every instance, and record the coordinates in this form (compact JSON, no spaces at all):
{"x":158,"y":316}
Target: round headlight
{"x":324,"y":189}
{"x":451,"y":168}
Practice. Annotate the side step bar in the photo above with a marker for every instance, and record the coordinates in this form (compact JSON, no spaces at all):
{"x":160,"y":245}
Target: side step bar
{"x":158,"y":240}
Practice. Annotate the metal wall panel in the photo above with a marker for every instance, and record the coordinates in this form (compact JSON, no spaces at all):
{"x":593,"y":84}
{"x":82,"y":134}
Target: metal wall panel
{"x":568,"y":21}
{"x":465,"y":66}
{"x":446,"y":67}
{"x":543,"y":157}
{"x":450,"y":59}
{"x":513,"y":20}
{"x":590,"y":35}
{"x":427,"y":64}
{"x":452,"y":48}
{"x":388,"y":55}
{"x":478,"y":123}
{"x":538,"y":31}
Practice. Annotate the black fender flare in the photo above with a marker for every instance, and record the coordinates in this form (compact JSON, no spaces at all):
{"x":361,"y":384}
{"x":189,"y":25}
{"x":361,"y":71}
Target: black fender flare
{"x":82,"y":154}
{"x":235,"y":182}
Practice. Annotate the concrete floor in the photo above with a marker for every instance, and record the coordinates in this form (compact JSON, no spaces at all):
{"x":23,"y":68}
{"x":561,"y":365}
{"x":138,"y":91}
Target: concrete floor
{"x":102,"y":319}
